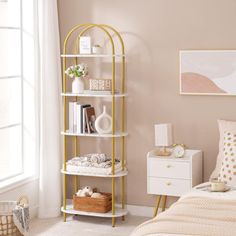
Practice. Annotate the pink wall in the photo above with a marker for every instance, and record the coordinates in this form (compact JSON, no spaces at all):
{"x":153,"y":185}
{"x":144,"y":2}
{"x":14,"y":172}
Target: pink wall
{"x":154,"y":31}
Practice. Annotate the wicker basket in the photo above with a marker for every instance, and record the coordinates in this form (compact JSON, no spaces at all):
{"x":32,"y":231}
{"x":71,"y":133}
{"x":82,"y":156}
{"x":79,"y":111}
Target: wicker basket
{"x":88,"y":204}
{"x":7,"y":226}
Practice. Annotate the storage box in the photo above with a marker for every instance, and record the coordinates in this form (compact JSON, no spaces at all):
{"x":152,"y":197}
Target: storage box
{"x":89,"y":204}
{"x":100,"y":84}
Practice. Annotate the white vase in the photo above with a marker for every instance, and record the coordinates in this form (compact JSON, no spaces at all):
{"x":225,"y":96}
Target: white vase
{"x":103,"y":123}
{"x":77,"y":85}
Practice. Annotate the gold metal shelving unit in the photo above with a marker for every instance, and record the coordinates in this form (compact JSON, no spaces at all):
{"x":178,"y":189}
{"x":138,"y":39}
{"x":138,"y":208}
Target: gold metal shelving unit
{"x":109,"y":31}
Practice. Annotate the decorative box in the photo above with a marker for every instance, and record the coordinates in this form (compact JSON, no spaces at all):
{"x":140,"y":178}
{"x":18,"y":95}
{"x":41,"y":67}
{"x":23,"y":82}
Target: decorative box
{"x":100,"y":84}
{"x":89,"y":204}
{"x":97,"y":49}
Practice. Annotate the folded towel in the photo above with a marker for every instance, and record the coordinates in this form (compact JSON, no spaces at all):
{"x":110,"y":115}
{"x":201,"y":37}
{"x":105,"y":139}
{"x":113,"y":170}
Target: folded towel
{"x":93,"y":170}
{"x":97,"y":158}
{"x":85,"y":161}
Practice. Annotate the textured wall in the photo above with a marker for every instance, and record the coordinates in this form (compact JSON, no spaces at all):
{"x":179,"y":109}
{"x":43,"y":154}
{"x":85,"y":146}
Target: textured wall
{"x":154,"y":31}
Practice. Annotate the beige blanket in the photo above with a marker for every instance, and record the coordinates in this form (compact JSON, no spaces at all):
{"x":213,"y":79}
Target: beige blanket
{"x":194,"y":216}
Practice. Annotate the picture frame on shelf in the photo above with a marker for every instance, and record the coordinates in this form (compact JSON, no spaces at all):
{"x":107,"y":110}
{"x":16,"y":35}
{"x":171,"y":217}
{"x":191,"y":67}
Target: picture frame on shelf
{"x":90,"y":119}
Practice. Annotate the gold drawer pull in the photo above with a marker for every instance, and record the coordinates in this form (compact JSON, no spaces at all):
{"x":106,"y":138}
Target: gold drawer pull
{"x":168,"y":183}
{"x":168,"y":166}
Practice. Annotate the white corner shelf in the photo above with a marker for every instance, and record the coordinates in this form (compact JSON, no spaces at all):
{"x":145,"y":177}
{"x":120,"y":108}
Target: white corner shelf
{"x":119,"y":212}
{"x":116,"y":95}
{"x":91,"y":55}
{"x":96,"y":135}
{"x":117,"y":175}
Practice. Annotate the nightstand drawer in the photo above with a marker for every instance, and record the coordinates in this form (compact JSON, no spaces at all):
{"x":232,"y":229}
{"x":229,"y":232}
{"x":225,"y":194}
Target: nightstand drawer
{"x":170,"y":187}
{"x":168,"y":169}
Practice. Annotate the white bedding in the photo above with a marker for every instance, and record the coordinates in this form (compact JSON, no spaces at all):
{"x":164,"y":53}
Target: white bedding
{"x":231,"y":195}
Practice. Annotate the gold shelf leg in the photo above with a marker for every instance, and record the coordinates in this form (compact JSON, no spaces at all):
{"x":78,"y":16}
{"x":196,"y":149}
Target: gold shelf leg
{"x":123,"y":195}
{"x":113,"y":221}
{"x":164,"y":203}
{"x":76,"y":154}
{"x":157,"y":205}
{"x":64,"y":197}
{"x":113,"y":202}
{"x":76,"y":184}
{"x":64,"y":216}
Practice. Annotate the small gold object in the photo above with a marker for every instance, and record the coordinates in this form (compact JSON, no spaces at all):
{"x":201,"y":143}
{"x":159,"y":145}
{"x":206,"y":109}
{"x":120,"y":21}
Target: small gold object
{"x":179,"y":150}
{"x":163,"y":152}
{"x":168,"y":183}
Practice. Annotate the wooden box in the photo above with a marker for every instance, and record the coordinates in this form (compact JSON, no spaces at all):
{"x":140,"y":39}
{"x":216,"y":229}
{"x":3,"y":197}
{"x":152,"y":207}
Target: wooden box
{"x":88,"y":204}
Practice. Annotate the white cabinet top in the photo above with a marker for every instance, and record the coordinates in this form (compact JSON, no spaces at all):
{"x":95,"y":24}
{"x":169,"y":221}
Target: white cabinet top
{"x":189,"y":153}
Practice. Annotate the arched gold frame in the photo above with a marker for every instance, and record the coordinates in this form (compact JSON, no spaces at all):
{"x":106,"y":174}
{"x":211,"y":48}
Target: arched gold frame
{"x":83,"y":29}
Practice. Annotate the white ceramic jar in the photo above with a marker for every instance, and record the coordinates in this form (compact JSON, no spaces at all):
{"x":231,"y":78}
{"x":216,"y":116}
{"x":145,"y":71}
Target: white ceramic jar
{"x":77,"y":85}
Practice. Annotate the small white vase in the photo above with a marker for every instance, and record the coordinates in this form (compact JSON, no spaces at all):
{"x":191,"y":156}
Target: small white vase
{"x":77,"y":85}
{"x":103,"y":123}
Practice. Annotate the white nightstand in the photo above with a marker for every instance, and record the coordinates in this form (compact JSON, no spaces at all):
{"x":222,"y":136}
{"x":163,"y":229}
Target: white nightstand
{"x":170,"y":176}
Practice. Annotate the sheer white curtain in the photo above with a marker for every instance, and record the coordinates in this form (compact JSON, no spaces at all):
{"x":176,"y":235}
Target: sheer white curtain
{"x":50,"y":106}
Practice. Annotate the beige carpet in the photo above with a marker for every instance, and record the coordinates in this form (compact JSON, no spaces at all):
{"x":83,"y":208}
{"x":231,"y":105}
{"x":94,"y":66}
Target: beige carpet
{"x":84,"y":226}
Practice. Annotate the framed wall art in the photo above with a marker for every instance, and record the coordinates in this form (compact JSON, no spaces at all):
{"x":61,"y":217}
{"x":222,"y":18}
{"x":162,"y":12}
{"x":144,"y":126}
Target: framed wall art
{"x":208,"y":72}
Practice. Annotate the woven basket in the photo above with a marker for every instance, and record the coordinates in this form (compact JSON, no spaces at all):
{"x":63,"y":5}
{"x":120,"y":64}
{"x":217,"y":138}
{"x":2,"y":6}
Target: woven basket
{"x":7,"y":226}
{"x":89,"y":204}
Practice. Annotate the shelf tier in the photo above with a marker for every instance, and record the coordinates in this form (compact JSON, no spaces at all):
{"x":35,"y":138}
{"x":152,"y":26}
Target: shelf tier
{"x":91,"y":55}
{"x":119,"y":212}
{"x":119,"y":174}
{"x":117,"y":95}
{"x":96,"y":135}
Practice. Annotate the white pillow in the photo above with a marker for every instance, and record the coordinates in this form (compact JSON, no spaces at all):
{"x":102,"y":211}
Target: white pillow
{"x":224,"y":126}
{"x":228,"y":165}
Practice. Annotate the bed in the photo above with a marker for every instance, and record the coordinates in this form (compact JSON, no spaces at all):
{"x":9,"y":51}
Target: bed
{"x":196,"y":213}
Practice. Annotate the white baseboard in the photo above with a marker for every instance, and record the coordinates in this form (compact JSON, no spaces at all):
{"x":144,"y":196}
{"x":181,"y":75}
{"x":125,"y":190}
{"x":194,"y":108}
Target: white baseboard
{"x":33,"y":211}
{"x":140,"y":210}
{"x":136,"y":210}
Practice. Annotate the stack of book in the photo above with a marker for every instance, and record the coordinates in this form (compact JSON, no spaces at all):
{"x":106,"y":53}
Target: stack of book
{"x":81,"y":118}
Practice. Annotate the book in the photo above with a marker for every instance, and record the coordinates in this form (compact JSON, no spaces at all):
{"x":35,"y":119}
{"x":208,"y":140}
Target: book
{"x":79,"y":117}
{"x":90,"y":118}
{"x":71,"y":117}
{"x":75,"y":117}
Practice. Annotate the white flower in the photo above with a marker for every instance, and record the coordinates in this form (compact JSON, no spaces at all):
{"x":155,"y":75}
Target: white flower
{"x":77,"y":70}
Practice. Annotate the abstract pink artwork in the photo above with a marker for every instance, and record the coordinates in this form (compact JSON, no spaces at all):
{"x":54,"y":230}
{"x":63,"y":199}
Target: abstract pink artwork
{"x":208,"y":72}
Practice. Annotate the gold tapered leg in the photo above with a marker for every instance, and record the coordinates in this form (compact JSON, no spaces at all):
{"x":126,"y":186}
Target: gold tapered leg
{"x":157,"y":205}
{"x":164,"y":203}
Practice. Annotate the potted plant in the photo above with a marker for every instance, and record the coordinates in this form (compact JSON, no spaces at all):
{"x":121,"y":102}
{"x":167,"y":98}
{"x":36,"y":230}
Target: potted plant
{"x":77,"y":72}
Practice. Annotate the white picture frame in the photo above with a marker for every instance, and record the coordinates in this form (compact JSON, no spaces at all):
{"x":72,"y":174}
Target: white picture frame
{"x":207,"y":72}
{"x":85,"y":45}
